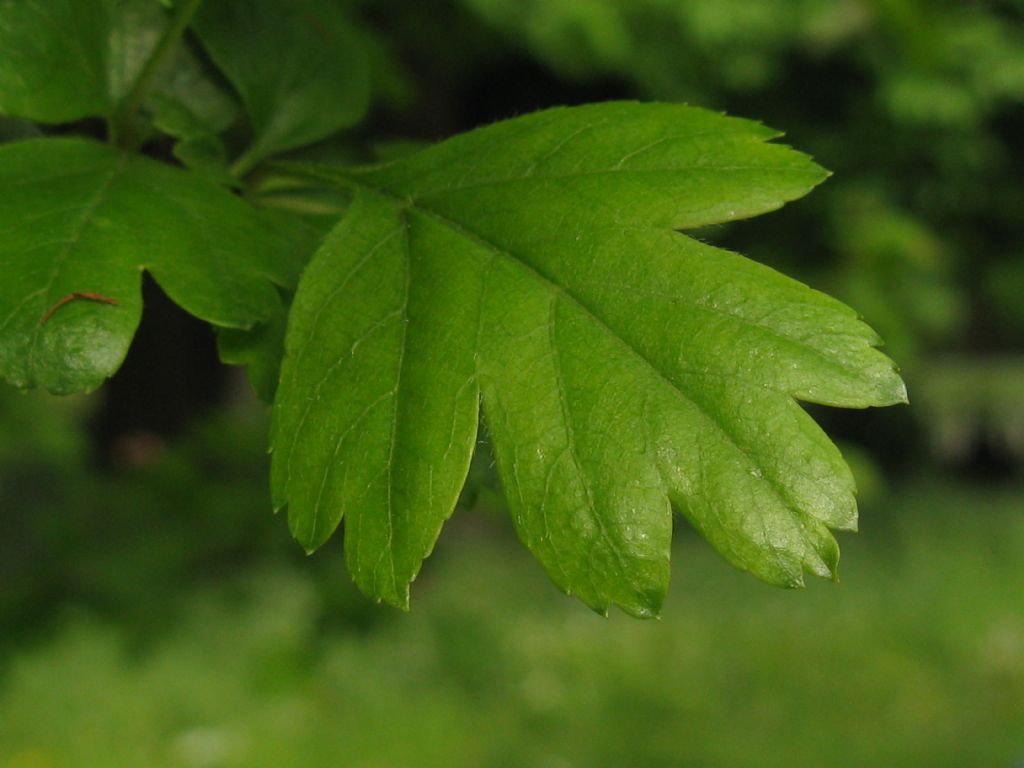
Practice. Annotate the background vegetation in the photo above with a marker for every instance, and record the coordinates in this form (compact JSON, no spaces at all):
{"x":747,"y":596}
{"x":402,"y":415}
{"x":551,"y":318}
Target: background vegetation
{"x":153,"y":612}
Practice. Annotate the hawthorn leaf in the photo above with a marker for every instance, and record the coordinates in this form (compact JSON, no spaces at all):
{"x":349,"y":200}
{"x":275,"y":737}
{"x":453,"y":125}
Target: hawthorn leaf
{"x":199,"y":147}
{"x":53,"y":59}
{"x":63,"y":60}
{"x":187,"y":98}
{"x":79,"y":217}
{"x":536,"y":265}
{"x":190,"y":106}
{"x":315,"y":83}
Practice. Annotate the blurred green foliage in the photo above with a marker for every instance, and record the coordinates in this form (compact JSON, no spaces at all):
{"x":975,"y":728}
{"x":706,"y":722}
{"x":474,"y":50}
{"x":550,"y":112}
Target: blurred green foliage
{"x":126,"y":542}
{"x":154,"y":615}
{"x":157,"y":614}
{"x":917,"y":658}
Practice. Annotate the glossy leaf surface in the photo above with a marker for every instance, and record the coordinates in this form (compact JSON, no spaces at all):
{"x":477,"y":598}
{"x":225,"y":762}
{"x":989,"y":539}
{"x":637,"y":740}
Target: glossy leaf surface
{"x":534,"y":266}
{"x":82,"y":217}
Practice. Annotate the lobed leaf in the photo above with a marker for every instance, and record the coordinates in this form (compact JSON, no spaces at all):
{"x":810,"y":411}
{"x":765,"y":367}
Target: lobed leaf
{"x":315,"y":82}
{"x":82,"y":217}
{"x":55,"y":62}
{"x":534,"y":265}
{"x":64,"y":60}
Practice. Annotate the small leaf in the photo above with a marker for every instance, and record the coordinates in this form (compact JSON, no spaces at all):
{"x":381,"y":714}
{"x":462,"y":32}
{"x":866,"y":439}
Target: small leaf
{"x":82,"y":217}
{"x":185,"y":83}
{"x":190,"y":106}
{"x":259,"y":349}
{"x":63,"y":60}
{"x":54,"y":59}
{"x":199,"y":146}
{"x":298,"y":66}
{"x":621,"y":365}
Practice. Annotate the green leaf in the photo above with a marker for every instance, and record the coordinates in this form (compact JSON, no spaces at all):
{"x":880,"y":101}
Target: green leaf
{"x":189,"y":100}
{"x":81,"y":217}
{"x":534,"y":265}
{"x":199,"y":146}
{"x":299,"y":67}
{"x":259,"y":349}
{"x":186,"y":104}
{"x":62,"y":60}
{"x":53,"y":59}
{"x":189,"y":105}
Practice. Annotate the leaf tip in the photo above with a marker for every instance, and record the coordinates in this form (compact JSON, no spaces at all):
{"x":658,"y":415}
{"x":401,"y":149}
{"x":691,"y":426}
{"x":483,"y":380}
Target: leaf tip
{"x":306,"y":536}
{"x":888,"y":386}
{"x":397,"y":596}
{"x":795,"y":581}
{"x":398,"y":600}
{"x":904,"y":397}
{"x":643,"y":602}
{"x":644,"y":612}
{"x":893,"y":389}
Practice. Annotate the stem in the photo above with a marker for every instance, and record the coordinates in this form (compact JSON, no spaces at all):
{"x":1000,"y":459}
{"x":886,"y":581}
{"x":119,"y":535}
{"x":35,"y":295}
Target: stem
{"x":245,"y":162}
{"x":297,"y":174}
{"x":302,"y":204}
{"x":120,"y":128}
